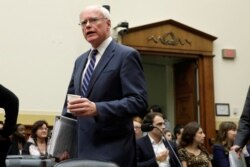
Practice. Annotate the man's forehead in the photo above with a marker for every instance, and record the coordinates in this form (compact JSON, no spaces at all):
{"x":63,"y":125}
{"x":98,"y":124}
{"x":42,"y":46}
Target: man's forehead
{"x":158,"y":119}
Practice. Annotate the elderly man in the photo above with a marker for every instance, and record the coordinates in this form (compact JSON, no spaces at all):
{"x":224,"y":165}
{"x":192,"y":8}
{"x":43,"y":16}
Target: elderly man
{"x":110,"y":80}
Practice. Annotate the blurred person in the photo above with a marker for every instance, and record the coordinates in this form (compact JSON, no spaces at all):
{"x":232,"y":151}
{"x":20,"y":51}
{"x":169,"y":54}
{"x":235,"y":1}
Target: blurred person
{"x":10,"y":103}
{"x":110,"y":80}
{"x":155,"y":108}
{"x":192,"y":153}
{"x":224,"y":141}
{"x":168,"y":134}
{"x":37,"y":144}
{"x":18,"y":140}
{"x":1,"y":125}
{"x":137,"y":121}
{"x":152,"y":149}
{"x":178,"y":129}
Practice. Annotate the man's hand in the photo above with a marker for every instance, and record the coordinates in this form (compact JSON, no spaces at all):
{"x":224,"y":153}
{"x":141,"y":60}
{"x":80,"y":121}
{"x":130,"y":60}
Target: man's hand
{"x":237,"y":149}
{"x":82,"y":107}
{"x":162,"y":156}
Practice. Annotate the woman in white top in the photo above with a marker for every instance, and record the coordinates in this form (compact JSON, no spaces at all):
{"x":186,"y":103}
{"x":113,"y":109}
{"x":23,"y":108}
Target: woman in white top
{"x":37,"y":144}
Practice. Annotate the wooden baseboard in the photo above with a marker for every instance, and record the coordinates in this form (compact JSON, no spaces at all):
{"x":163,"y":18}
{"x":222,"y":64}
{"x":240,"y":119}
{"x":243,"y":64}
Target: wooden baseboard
{"x":29,"y":117}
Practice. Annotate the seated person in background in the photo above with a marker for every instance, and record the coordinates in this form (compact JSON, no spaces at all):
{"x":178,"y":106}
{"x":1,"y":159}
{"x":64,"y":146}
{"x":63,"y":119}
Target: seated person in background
{"x":192,"y":153}
{"x":37,"y":144}
{"x":152,"y":150}
{"x":224,"y":141}
{"x":178,"y":129}
{"x":18,"y":140}
{"x":155,"y":108}
{"x":168,"y":134}
{"x":137,"y":121}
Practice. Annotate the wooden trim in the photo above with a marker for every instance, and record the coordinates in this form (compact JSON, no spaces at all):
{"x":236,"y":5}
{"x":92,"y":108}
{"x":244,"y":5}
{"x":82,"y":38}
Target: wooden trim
{"x":206,"y":92}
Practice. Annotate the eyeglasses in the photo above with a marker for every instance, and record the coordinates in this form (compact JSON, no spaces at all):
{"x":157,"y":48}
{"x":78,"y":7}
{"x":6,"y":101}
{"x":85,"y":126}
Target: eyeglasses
{"x":137,"y":127}
{"x":93,"y":20}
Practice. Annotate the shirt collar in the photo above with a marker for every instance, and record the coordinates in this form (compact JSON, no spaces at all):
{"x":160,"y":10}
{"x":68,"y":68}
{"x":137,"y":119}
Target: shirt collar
{"x":101,"y":48}
{"x":152,"y":140}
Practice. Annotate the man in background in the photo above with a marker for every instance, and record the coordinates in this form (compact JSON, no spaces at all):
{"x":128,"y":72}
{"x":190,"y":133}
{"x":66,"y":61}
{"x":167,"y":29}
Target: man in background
{"x":9,"y":102}
{"x":152,"y":149}
{"x":110,"y":80}
{"x":178,"y":129}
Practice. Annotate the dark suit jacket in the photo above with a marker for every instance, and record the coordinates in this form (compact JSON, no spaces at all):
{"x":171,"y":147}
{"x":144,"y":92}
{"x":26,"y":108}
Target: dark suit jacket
{"x":10,"y":103}
{"x":145,"y":154}
{"x":118,"y":89}
{"x":243,"y":134}
{"x":220,"y":156}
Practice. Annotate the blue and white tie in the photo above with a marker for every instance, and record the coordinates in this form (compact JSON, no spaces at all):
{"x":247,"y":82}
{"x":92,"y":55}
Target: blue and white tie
{"x":89,"y":72}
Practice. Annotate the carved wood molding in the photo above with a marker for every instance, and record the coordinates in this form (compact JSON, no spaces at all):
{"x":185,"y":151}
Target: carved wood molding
{"x":169,"y":38}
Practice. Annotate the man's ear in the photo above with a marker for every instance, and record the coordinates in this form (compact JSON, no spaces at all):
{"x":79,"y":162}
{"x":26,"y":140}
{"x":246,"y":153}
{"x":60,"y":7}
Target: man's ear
{"x":109,"y":23}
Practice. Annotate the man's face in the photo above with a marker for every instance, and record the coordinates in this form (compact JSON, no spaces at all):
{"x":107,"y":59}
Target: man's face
{"x":95,"y":27}
{"x":160,"y":124}
{"x":21,"y":130}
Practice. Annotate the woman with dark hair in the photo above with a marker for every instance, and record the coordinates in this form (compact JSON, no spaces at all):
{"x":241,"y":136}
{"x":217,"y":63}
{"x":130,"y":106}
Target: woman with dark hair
{"x":37,"y":144}
{"x":192,"y":153}
{"x":18,"y":140}
{"x":224,"y":141}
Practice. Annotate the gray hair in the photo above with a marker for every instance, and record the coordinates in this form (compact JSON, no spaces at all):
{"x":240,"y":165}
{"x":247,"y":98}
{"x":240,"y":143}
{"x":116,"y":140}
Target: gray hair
{"x":101,"y":9}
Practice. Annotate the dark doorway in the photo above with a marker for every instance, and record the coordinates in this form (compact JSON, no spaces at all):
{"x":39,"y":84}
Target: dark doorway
{"x":185,"y":78}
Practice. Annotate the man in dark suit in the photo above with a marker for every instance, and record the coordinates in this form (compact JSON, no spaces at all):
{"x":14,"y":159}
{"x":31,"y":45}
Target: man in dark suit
{"x":9,"y":102}
{"x":243,"y":133}
{"x":115,"y":93}
{"x":152,"y":149}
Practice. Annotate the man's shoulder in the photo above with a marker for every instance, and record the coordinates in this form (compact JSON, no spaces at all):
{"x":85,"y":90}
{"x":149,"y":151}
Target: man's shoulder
{"x":125,"y":47}
{"x":120,"y":46}
{"x":142,"y":139}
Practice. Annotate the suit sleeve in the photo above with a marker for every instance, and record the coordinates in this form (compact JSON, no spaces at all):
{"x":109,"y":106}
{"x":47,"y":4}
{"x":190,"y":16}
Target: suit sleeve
{"x":71,"y":90}
{"x":244,"y":124}
{"x":10,"y":103}
{"x":140,"y":156}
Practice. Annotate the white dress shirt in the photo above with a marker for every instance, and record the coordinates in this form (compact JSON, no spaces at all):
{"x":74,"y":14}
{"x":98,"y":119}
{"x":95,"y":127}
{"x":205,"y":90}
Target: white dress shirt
{"x":159,"y":147}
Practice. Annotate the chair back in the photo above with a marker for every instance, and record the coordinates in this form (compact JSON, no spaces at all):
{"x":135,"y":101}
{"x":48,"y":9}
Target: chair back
{"x":28,"y":161}
{"x":84,"y":163}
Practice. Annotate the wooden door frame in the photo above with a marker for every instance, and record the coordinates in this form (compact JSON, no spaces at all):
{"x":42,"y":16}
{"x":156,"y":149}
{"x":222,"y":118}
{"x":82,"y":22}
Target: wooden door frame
{"x":176,"y":39}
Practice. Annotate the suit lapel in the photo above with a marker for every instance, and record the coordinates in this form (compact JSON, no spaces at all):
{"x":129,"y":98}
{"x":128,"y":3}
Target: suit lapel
{"x":107,"y":55}
{"x":149,"y":146}
{"x":79,"y":72}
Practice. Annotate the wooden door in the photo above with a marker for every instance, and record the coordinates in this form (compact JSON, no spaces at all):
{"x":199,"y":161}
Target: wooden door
{"x":185,"y":92}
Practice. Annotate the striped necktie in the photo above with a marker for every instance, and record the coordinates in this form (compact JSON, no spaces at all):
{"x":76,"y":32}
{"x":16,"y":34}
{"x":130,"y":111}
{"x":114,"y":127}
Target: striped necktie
{"x":89,"y":72}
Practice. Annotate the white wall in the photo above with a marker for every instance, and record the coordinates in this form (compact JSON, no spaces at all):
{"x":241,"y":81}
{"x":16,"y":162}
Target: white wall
{"x":40,"y":39}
